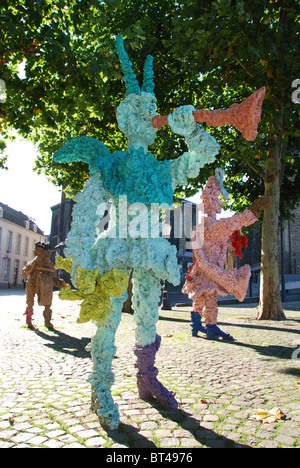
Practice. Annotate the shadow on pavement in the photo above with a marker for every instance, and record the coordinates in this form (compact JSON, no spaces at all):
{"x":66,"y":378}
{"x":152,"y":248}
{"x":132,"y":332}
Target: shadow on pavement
{"x":281,"y":352}
{"x":64,"y":343}
{"x":129,"y":435}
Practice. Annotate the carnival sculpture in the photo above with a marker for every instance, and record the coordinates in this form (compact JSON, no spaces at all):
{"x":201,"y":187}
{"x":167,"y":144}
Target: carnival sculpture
{"x":131,"y":185}
{"x":207,"y":278}
{"x":41,"y":277}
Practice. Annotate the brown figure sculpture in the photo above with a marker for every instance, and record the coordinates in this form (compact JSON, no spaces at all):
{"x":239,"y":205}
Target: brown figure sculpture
{"x":207,"y":278}
{"x":41,"y":276}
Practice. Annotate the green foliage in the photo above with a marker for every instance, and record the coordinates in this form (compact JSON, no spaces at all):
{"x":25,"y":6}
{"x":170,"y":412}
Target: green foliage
{"x":209,"y":54}
{"x":238,"y":48}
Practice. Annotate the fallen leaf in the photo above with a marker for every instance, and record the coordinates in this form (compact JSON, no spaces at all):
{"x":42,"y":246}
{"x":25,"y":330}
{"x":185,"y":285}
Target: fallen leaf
{"x":203,"y":400}
{"x":269,"y":416}
{"x":167,"y":336}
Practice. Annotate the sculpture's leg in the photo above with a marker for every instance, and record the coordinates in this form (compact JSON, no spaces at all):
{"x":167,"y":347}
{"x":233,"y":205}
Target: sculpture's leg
{"x":29,"y":314}
{"x":196,"y":315}
{"x":103,"y":351}
{"x":211,"y":315}
{"x":146,"y":293}
{"x":30,"y":303}
{"x":196,"y":324}
{"x":48,"y":316}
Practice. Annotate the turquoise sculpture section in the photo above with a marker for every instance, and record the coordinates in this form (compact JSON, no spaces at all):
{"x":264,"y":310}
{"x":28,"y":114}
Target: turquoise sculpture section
{"x":130,"y":185}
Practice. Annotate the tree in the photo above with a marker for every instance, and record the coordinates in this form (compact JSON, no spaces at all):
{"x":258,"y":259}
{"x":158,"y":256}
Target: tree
{"x":73,"y":80}
{"x":209,"y":54}
{"x":239,"y":47}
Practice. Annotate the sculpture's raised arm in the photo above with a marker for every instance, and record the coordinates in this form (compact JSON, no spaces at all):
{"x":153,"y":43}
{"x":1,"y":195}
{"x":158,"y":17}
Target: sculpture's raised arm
{"x":202,"y":147}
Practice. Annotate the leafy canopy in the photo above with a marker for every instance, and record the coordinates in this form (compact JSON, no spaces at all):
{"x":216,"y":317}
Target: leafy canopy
{"x":209,"y":54}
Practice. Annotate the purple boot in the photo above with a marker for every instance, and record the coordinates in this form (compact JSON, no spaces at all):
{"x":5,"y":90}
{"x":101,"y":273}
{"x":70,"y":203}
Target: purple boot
{"x":147,"y":382}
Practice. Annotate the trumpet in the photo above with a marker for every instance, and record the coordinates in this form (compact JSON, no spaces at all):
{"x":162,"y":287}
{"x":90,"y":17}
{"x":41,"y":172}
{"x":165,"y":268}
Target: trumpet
{"x":245,"y":116}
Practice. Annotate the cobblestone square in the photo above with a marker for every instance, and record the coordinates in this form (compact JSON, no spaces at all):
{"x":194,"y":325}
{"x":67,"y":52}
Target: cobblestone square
{"x":45,"y":396}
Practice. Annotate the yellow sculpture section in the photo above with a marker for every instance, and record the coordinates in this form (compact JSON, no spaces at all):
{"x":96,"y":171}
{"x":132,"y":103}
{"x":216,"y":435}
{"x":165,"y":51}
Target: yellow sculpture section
{"x":94,"y":290}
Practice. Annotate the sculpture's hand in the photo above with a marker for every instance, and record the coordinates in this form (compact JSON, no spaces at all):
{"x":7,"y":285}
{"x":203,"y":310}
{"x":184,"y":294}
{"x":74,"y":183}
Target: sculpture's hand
{"x":259,"y":205}
{"x":182,"y":121}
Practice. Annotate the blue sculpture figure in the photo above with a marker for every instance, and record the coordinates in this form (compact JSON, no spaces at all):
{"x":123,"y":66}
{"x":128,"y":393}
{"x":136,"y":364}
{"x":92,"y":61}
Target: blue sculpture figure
{"x":134,"y":185}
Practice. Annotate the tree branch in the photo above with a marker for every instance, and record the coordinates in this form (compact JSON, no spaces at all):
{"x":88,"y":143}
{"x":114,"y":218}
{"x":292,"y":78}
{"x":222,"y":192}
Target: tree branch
{"x":242,"y":65}
{"x":255,"y":168}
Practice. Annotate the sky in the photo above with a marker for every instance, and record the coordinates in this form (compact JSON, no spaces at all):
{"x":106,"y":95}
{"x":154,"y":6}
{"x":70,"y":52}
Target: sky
{"x":23,"y":189}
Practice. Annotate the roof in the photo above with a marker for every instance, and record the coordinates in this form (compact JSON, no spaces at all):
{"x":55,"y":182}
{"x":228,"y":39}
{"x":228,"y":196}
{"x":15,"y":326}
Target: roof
{"x":18,"y":218}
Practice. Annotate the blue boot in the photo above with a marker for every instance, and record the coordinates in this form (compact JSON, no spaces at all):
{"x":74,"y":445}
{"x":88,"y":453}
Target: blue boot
{"x":196,"y":324}
{"x":213,"y":331}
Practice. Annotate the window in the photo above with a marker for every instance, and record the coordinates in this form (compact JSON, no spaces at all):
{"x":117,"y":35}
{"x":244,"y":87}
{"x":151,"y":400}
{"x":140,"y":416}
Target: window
{"x":16,"y":272}
{"x":1,"y":212}
{"x":6,"y":269}
{"x":26,"y":246}
{"x":34,"y":228}
{"x":9,"y":241}
{"x":18,"y":246}
{"x":26,"y":224}
{"x":0,"y":237}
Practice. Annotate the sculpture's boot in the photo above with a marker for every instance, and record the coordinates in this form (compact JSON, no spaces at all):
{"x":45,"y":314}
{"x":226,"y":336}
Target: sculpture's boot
{"x":196,"y":324}
{"x":213,"y":331}
{"x":29,"y":314}
{"x":147,"y":382}
{"x":47,"y":316}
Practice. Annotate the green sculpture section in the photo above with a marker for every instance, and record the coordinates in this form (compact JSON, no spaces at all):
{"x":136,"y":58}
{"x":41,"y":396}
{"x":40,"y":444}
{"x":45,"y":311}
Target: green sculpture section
{"x":128,"y":185}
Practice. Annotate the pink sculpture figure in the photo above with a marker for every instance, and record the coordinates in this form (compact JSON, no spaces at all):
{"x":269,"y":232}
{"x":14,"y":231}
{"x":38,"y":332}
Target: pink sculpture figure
{"x":208,"y":278}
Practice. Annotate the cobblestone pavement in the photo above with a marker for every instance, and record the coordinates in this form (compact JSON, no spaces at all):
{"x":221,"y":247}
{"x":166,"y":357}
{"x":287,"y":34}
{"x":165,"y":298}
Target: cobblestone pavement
{"x":45,"y":396}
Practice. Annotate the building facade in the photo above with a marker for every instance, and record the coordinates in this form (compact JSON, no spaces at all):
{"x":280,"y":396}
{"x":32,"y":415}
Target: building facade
{"x":60,"y":228}
{"x":18,"y":235}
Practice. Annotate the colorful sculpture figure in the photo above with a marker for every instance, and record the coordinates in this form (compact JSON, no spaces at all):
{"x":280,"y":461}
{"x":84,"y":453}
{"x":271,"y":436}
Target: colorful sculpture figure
{"x":207,"y":277}
{"x":127,"y":183}
{"x":41,"y":276}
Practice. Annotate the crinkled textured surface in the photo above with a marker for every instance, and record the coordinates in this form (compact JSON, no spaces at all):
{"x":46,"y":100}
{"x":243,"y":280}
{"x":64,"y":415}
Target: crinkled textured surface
{"x":132,"y":85}
{"x":155,"y":255}
{"x":147,"y":382}
{"x":103,"y":350}
{"x":208,"y":278}
{"x":85,"y":149}
{"x":84,"y":226}
{"x":146,"y":289}
{"x":134,"y":115}
{"x":202,"y":150}
{"x":213,"y":252}
{"x":148,"y":84}
{"x":138,"y":176}
{"x":95,"y":291}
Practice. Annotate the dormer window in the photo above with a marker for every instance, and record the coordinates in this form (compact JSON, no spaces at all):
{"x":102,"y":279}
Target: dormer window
{"x":27,"y":224}
{"x":1,"y":212}
{"x":34,"y":228}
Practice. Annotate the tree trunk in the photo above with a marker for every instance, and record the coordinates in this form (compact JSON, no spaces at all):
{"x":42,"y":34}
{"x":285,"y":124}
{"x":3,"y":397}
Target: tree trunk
{"x":270,"y":307}
{"x":127,"y":306}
